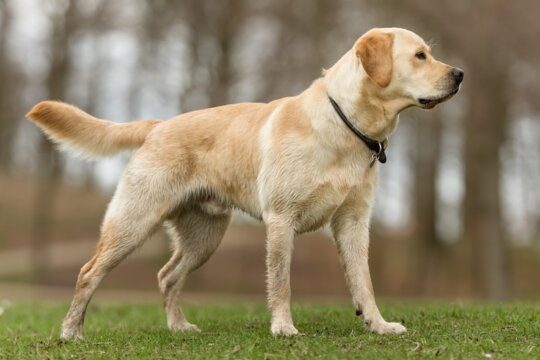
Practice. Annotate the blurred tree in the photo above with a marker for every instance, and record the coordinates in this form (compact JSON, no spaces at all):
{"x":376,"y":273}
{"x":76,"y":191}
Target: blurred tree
{"x":485,"y":129}
{"x":426,"y":130}
{"x":12,"y":82}
{"x":154,"y":24}
{"x":64,"y":20}
{"x":305,"y":44}
{"x":229,"y":17}
{"x":213,"y":30}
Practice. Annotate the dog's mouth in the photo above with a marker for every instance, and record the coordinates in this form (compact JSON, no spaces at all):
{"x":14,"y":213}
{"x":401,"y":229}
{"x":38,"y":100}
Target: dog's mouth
{"x":429,"y":103}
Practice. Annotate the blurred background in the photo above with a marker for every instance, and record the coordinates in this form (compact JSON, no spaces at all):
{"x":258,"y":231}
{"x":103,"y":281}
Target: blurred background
{"x":458,"y":207}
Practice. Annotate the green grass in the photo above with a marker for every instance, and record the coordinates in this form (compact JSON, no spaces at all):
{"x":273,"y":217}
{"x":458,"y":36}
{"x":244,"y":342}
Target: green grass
{"x":242,"y":331}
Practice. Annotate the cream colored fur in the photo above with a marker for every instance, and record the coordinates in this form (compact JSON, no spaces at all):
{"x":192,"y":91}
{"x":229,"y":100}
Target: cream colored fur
{"x":291,"y":162}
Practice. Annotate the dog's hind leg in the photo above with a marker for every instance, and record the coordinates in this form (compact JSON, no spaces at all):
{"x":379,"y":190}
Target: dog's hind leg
{"x":196,"y":234}
{"x":133,"y":214}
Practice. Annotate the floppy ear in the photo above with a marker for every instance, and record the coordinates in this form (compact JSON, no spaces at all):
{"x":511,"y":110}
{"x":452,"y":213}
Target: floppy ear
{"x":374,"y":50}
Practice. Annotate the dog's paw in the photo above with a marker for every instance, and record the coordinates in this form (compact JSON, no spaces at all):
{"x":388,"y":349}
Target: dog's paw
{"x":283,"y":329}
{"x":71,"y":333}
{"x":383,"y":327}
{"x":184,"y":327}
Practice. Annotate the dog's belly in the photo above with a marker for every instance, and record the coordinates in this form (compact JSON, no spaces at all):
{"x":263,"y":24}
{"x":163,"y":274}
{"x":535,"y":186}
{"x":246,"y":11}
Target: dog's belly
{"x":244,"y":198}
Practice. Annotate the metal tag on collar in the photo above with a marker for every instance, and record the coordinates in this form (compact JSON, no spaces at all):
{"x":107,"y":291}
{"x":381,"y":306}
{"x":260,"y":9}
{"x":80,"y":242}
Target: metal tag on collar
{"x":374,"y":158}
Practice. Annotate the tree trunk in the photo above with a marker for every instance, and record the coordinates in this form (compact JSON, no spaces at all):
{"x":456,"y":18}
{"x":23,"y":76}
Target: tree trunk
{"x":9,"y":97}
{"x":49,"y":162}
{"x":49,"y":172}
{"x":427,"y":257}
{"x":484,"y":130}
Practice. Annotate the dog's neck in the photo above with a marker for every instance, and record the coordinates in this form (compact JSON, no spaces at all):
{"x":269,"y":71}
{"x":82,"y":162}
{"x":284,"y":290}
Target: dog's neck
{"x":359,"y":98}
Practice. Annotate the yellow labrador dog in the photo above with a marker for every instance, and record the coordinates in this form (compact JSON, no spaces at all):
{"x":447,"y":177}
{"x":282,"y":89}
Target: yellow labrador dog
{"x":296,"y":163}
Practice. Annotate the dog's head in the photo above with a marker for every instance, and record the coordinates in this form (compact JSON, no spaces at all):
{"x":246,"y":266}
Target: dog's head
{"x":400,"y":69}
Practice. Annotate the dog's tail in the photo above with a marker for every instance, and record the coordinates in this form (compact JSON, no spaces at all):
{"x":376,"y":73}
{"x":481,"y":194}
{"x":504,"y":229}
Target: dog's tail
{"x":76,"y":130}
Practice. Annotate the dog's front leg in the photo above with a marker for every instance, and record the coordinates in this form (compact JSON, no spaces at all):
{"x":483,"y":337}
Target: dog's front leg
{"x":279,"y":246}
{"x":350,"y":226}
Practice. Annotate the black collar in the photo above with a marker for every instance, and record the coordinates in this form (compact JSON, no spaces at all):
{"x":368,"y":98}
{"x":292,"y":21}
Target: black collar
{"x":374,"y":145}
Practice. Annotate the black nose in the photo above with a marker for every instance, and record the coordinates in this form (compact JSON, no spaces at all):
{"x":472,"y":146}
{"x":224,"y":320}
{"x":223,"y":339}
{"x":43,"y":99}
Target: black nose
{"x":457,"y":74}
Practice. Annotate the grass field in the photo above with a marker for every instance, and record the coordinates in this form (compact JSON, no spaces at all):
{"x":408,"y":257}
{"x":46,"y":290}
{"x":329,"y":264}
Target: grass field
{"x":242,"y":331}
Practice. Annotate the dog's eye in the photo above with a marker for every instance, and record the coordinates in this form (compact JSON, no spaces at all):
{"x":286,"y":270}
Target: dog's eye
{"x":420,"y":55}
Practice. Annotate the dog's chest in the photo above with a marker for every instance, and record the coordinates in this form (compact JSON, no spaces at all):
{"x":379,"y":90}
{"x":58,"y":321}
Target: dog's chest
{"x":323,"y":189}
